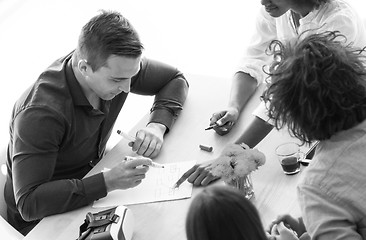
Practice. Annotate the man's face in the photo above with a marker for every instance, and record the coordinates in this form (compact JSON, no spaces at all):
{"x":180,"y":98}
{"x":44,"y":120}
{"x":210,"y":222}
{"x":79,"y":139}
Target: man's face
{"x":277,"y":8}
{"x":113,"y":78}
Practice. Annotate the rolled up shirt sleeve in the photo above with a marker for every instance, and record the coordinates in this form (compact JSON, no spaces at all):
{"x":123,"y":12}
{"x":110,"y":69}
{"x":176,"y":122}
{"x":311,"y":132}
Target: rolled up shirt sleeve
{"x":167,"y":84}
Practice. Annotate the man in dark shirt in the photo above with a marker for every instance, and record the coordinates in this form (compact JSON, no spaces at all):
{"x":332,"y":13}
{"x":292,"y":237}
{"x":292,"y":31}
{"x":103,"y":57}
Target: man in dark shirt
{"x":60,"y":126}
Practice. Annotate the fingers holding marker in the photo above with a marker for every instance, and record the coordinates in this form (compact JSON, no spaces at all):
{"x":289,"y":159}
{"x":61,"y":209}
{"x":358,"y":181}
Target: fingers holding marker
{"x":146,"y":161}
{"x":221,"y":129}
{"x":126,"y":136}
{"x":141,"y":144}
{"x":134,"y":163}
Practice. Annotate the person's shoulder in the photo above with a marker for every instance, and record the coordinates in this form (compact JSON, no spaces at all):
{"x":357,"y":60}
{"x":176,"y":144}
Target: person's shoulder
{"x":57,"y":66}
{"x":145,"y":62}
{"x":336,"y":8}
{"x":50,"y":90}
{"x":154,"y":65}
{"x":339,"y":15}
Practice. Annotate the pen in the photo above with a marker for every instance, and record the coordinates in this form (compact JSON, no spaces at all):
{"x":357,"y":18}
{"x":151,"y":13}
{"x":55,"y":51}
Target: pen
{"x":126,"y":136}
{"x":211,"y":126}
{"x":152,"y":164}
{"x":310,"y":153}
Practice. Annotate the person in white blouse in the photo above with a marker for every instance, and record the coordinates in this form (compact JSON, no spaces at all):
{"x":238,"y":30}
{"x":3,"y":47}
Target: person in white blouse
{"x":281,"y":20}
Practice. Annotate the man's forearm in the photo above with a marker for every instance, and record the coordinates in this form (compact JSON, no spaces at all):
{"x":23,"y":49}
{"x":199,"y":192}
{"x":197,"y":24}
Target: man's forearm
{"x":60,"y":196}
{"x":169,"y":102}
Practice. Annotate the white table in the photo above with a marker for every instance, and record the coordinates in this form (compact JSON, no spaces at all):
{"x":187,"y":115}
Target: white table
{"x":275,"y":192}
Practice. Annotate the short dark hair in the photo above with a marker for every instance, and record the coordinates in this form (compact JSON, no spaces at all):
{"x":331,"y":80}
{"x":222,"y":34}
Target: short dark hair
{"x":317,"y":86}
{"x":222,"y":212}
{"x":108,"y":33}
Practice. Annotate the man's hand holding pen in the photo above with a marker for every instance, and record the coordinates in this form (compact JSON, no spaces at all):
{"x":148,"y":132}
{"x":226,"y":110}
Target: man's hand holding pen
{"x":151,"y":163}
{"x":126,"y":174}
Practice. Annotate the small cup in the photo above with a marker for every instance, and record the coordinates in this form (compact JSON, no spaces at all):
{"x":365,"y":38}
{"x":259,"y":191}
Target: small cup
{"x":289,"y":155}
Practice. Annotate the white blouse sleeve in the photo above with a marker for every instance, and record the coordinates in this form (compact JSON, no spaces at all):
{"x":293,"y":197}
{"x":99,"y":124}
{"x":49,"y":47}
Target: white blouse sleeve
{"x":255,"y":57}
{"x":348,"y":26}
{"x":338,"y":16}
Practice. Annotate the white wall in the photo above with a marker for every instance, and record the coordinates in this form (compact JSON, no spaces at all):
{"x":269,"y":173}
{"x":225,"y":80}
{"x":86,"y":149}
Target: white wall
{"x":197,"y":36}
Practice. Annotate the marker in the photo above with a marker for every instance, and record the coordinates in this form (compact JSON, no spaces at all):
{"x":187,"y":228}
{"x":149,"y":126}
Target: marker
{"x":152,"y":164}
{"x":206,"y":148}
{"x":126,"y":136}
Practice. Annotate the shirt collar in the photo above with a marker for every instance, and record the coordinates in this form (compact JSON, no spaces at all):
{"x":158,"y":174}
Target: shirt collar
{"x":76,"y":91}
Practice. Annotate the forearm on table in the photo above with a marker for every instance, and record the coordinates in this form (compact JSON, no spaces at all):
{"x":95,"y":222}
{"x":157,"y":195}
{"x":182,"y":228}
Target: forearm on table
{"x":256,"y":131}
{"x":243,"y":87}
{"x":60,"y":196}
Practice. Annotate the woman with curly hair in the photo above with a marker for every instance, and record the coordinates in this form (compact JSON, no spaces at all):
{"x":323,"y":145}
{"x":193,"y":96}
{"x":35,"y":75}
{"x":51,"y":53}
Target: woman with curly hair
{"x":318,"y":91}
{"x":281,"y":20}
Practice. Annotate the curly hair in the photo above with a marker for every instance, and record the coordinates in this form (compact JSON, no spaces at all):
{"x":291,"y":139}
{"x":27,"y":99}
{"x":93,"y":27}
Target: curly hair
{"x":108,"y":33}
{"x":317,"y":86}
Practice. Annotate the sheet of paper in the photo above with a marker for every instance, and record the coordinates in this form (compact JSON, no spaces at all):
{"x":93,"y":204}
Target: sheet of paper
{"x":157,"y":186}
